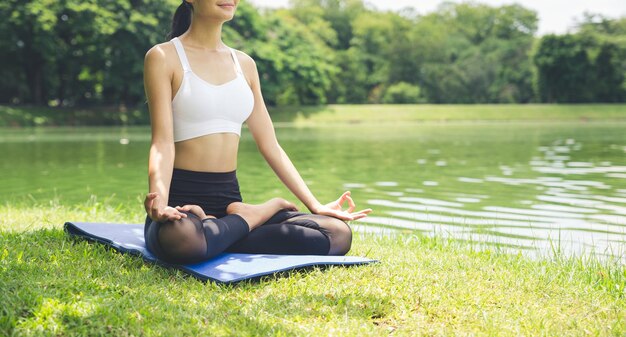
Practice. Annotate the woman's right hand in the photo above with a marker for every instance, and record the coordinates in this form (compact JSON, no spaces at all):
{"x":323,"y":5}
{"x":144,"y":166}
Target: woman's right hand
{"x":195,"y":210}
{"x":159,"y":212}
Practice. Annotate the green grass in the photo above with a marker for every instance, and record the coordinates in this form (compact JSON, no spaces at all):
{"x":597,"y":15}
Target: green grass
{"x":345,"y":113}
{"x":55,"y":285}
{"x":19,"y":116}
{"x":385,"y":113}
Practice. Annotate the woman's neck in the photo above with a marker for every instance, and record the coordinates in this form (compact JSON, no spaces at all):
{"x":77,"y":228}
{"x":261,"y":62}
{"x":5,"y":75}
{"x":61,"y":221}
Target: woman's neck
{"x":205,"y":34}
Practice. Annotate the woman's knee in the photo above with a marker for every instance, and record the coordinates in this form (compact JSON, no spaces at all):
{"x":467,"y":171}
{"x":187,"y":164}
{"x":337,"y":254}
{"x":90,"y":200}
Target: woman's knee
{"x":182,"y":240}
{"x":337,"y":231}
{"x":340,"y":236}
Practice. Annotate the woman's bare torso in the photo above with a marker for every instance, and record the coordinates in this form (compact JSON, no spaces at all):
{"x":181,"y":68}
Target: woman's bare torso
{"x":210,"y":153}
{"x":214,"y":152}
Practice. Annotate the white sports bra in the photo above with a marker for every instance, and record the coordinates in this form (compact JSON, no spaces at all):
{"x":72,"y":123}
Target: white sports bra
{"x":200,"y":108}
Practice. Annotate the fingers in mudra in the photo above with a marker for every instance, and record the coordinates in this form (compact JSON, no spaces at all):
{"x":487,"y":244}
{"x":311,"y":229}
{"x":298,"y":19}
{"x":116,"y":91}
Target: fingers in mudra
{"x":347,"y":197}
{"x":335,"y":209}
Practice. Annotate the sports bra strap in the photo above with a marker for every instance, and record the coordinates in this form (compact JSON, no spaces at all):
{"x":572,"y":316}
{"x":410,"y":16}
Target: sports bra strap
{"x":237,"y":66}
{"x":181,"y":54}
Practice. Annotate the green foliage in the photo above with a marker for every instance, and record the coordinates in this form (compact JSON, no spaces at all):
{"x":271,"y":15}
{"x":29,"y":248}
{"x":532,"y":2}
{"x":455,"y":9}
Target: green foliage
{"x":334,"y":23}
{"x":565,"y":70}
{"x":337,"y":14}
{"x":80,"y":53}
{"x":609,"y":70}
{"x":402,"y":92}
{"x":307,"y":63}
{"x":294,"y":65}
{"x":588,"y":66}
{"x":568,"y":73}
{"x":475,"y":53}
{"x":77,"y":52}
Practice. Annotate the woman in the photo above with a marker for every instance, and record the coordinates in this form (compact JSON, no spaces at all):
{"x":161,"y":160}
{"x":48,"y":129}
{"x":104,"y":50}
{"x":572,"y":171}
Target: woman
{"x":199,"y":93}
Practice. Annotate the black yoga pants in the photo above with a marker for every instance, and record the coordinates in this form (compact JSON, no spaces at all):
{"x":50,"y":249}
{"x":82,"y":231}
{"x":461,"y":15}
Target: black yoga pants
{"x":192,"y":239}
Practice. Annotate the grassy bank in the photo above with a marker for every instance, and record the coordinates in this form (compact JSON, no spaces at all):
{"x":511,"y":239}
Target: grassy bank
{"x":28,"y":116}
{"x":53,"y":285}
{"x":15,"y":116}
{"x":440,"y":113}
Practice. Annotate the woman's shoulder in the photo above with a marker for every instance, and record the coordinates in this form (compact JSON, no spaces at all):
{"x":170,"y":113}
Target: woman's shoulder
{"x":243,"y":57}
{"x":160,"y":53}
{"x":246,"y":61}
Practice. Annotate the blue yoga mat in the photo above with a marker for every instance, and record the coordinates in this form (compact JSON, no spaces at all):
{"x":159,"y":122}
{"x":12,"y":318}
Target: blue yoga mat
{"x":224,"y":268}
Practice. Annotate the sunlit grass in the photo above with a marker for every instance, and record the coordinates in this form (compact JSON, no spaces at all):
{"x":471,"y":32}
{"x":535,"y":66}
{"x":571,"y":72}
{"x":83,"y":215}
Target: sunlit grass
{"x":12,"y":116}
{"x":52,"y":284}
{"x":403,"y":113}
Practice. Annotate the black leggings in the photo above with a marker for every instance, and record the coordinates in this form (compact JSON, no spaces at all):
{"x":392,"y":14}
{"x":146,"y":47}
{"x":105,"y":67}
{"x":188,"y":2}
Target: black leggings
{"x":192,"y":240}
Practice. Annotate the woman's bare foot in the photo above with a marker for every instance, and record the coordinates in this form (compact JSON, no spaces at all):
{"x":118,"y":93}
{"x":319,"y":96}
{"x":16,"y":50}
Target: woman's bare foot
{"x":256,"y":215}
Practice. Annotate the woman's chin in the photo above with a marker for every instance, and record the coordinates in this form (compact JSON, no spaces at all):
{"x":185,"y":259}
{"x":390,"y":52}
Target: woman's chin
{"x":221,"y":17}
{"x":225,"y":16}
{"x":227,"y":11}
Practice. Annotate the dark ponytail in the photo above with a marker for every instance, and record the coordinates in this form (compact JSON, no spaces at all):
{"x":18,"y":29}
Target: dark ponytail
{"x":181,"y":20}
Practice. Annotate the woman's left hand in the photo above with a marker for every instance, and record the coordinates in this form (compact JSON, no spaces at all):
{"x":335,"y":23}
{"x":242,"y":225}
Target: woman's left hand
{"x":334,"y":209}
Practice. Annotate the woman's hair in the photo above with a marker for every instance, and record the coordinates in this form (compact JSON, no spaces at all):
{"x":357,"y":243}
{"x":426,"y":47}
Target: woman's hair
{"x":181,"y":20}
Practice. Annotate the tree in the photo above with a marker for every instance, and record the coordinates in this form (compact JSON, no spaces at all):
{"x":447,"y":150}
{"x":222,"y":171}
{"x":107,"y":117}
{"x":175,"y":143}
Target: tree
{"x":565,"y":71}
{"x":472,"y":53}
{"x":610,"y":74}
{"x":294,"y":64}
{"x":75,"y":52}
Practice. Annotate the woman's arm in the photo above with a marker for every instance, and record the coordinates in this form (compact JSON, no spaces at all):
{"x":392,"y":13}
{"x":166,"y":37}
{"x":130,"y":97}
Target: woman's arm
{"x":262,"y":130}
{"x":158,"y":87}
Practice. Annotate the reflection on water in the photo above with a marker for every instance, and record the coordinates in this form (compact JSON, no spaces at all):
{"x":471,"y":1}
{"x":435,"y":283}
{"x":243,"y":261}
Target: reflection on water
{"x":565,"y":212}
{"x":529,"y":186}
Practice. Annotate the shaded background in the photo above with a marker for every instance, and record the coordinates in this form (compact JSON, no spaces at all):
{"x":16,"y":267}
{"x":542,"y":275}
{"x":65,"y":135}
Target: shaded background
{"x":72,"y":53}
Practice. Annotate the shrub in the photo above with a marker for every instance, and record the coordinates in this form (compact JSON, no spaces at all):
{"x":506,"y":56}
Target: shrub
{"x":403,"y":93}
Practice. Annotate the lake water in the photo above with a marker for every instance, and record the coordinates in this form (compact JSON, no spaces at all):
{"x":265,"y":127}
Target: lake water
{"x":529,"y":186}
